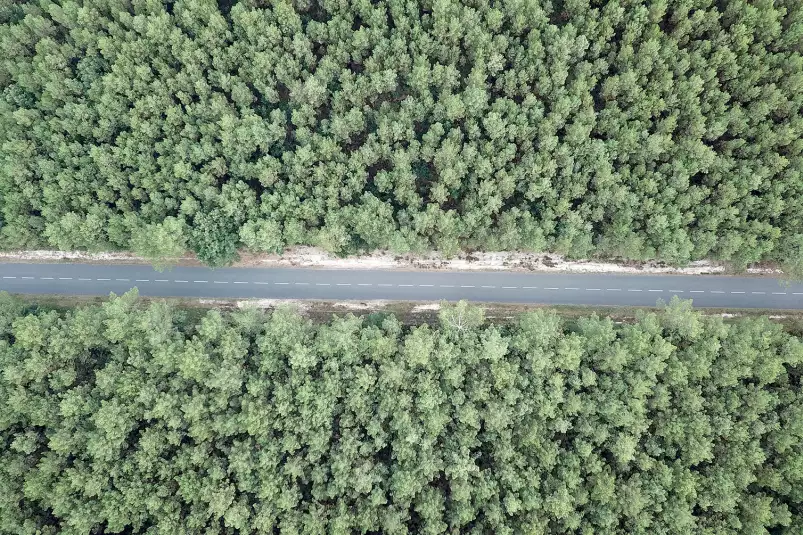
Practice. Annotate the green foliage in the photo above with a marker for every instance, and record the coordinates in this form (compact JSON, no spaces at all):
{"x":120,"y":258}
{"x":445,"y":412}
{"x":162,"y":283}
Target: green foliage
{"x":460,"y":317}
{"x":10,"y":308}
{"x":122,"y":418}
{"x":161,"y":242}
{"x":665,"y":129}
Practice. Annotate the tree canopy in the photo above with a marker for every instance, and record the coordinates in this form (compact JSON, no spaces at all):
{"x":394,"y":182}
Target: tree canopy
{"x":125,"y":418}
{"x":666,"y":129}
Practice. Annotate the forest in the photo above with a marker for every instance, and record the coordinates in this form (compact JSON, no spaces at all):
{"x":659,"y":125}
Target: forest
{"x":635,"y":129}
{"x":133,"y":418}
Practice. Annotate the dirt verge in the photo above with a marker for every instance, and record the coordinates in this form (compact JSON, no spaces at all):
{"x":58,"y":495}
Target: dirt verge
{"x":417,"y":312}
{"x":310,"y":257}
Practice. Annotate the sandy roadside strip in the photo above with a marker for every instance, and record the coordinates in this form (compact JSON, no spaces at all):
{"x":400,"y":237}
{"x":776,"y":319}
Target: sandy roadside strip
{"x":312,"y":257}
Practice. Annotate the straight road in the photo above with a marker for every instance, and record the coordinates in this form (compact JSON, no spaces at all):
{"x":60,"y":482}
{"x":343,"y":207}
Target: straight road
{"x":320,"y":284}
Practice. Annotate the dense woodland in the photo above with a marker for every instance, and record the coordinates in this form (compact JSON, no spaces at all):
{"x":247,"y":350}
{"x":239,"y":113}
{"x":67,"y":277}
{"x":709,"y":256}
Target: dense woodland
{"x":669,"y":129}
{"x":122,"y":418}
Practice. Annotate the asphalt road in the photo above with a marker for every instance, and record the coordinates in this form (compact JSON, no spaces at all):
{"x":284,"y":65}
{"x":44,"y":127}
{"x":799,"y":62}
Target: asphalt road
{"x":319,"y":284}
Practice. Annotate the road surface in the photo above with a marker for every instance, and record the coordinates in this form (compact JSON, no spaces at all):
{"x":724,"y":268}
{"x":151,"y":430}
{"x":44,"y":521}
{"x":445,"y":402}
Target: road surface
{"x":320,"y":284}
